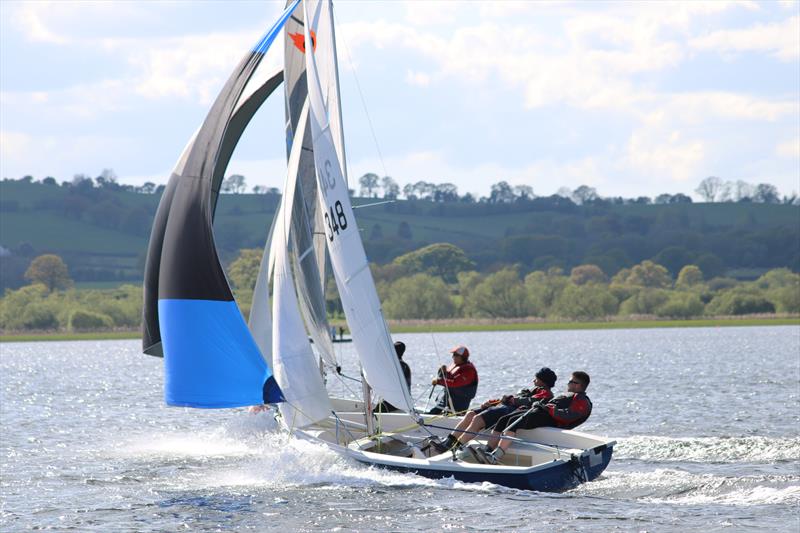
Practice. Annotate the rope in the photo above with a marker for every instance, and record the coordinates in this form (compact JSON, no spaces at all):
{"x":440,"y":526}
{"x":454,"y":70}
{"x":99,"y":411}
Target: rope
{"x":546,"y":447}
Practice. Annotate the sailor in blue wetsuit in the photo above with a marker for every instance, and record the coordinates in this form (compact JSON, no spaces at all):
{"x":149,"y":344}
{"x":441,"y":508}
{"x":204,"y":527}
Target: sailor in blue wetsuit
{"x":491,"y":411}
{"x":460,"y":382}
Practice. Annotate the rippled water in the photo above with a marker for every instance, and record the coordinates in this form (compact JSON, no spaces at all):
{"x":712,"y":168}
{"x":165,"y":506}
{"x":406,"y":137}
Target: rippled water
{"x":707,"y":422}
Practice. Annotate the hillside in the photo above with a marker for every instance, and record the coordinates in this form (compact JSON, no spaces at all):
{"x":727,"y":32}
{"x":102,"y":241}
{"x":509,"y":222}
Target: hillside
{"x":102,"y":232}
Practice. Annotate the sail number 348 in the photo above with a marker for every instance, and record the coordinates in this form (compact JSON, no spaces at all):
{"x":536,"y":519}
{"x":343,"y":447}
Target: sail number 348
{"x":336,"y":220}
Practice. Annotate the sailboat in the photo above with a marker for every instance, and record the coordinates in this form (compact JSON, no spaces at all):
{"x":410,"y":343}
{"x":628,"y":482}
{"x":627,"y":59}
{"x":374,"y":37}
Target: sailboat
{"x":283,"y":354}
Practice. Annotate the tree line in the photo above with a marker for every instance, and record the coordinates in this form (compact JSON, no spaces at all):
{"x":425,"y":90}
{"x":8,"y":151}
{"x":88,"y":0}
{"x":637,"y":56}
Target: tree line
{"x":435,"y":282}
{"x":371,"y":185}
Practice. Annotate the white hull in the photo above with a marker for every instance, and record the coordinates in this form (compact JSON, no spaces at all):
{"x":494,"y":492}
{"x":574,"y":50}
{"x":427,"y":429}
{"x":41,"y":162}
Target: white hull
{"x":544,"y":459}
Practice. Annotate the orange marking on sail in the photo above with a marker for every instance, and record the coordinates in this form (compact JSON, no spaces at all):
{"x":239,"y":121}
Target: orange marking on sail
{"x":299,"y":40}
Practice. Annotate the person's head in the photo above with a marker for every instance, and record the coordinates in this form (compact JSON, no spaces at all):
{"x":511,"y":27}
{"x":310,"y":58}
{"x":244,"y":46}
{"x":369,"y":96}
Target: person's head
{"x":578,"y":382}
{"x":400,"y":349}
{"x":460,"y":354}
{"x":545,"y":378}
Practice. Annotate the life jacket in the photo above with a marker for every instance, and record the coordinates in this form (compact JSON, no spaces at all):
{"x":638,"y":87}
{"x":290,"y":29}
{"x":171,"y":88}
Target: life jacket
{"x":569,"y":410}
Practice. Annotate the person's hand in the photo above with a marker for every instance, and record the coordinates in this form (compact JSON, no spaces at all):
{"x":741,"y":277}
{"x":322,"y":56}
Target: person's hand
{"x":433,"y":381}
{"x":507,"y":399}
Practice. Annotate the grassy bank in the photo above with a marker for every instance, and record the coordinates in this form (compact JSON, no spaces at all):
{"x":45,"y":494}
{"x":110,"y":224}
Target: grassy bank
{"x":446,"y":326}
{"x":426,"y":326}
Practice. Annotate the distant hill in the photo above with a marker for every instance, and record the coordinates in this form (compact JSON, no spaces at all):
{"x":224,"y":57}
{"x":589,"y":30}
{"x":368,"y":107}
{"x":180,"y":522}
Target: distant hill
{"x":101,"y":232}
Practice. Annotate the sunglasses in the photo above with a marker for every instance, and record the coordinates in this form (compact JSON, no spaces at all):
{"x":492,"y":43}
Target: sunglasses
{"x":573,"y":382}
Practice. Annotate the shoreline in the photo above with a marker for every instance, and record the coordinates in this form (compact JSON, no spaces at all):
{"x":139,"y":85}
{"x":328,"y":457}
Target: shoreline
{"x":456,"y":325}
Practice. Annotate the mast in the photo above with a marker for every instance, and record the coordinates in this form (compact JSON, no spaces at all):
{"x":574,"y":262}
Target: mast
{"x":360,"y":301}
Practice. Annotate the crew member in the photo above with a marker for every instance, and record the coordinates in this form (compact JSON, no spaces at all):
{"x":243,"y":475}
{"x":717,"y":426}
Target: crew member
{"x":565,"y":411}
{"x":460,"y":382}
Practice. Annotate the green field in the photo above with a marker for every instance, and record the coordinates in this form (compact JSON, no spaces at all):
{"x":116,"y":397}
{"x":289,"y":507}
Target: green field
{"x":103,"y":240}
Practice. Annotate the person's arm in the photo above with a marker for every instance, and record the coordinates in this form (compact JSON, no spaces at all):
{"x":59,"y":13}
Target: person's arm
{"x":442,"y":373}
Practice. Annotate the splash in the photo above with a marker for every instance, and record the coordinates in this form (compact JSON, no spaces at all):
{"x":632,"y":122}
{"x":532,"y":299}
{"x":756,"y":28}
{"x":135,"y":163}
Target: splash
{"x":253,"y":452}
{"x":709,"y":449}
{"x":683,"y":488}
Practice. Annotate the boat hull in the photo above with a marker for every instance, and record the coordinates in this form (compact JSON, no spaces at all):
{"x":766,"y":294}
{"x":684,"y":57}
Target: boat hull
{"x":553,"y":460}
{"x":556,"y":477}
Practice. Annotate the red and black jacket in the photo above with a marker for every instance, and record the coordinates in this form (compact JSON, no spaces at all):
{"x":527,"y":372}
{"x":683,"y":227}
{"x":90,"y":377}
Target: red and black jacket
{"x":461,"y":385}
{"x":569,"y":410}
{"x":527,"y":397}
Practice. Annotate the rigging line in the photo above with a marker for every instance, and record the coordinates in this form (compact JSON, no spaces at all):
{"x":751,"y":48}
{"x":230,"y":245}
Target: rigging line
{"x":444,"y":380}
{"x":518,"y":440}
{"x":363,"y":102}
{"x":373,"y":204}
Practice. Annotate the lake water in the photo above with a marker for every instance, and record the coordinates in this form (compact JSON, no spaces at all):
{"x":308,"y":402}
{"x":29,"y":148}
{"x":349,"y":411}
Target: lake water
{"x":707,"y":422}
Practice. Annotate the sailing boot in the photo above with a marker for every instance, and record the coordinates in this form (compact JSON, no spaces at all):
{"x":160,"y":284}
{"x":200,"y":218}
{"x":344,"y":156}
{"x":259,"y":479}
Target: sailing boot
{"x":442,"y":447}
{"x":469,"y":452}
{"x":495,"y":457}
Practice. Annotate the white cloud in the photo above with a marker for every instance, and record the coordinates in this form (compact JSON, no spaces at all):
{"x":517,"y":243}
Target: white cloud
{"x":780,"y":39}
{"x":665,"y":153}
{"x":789,"y":149}
{"x":192,"y":67}
{"x":23,"y":152}
{"x":420,"y":79}
{"x":30,"y":17}
{"x":701,"y":106}
{"x":84,"y":101}
{"x":13,"y":145}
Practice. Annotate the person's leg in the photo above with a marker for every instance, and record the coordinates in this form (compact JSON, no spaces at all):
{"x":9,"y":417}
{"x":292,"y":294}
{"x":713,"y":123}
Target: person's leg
{"x":502,"y":423}
{"x":505,"y":443}
{"x":533,"y":419}
{"x":464,"y":424}
{"x":476,"y":425}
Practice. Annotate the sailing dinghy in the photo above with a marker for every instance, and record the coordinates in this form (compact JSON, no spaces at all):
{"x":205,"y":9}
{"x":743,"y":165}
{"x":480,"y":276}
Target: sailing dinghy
{"x":284,"y":354}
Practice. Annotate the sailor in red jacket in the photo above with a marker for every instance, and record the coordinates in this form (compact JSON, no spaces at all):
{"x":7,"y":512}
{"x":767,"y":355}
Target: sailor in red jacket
{"x":460,"y":382}
{"x":564,"y":411}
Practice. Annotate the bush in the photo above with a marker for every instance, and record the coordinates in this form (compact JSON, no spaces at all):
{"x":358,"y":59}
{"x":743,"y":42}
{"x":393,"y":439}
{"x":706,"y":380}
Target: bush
{"x":419,"y":296}
{"x":644,"y":302}
{"x":499,"y":295}
{"x":40,"y":315}
{"x":82,"y":320}
{"x":739,"y":302}
{"x":585,"y":301}
{"x":786,"y":299}
{"x":14,"y":303}
{"x":681,"y":305}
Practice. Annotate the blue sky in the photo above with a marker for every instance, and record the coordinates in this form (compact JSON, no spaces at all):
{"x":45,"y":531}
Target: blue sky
{"x":633,"y":98}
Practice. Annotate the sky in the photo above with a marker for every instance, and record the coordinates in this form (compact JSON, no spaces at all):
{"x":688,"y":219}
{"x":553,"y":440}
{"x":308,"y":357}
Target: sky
{"x":632,"y":98}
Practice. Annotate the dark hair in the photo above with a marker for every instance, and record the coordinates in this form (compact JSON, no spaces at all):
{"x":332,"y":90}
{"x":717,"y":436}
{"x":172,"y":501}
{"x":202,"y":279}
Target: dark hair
{"x":548,"y":376}
{"x":400,"y":348}
{"x":582,"y":376}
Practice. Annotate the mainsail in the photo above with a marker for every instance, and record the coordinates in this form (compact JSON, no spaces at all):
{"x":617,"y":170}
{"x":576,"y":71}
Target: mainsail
{"x":359,"y":298}
{"x":295,"y":366}
{"x":190,"y":315}
{"x":307,"y":232}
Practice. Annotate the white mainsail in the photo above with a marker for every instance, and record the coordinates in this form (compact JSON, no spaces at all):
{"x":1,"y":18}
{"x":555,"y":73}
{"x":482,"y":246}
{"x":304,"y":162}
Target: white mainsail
{"x":294,"y":364}
{"x":359,"y":298}
{"x":307,"y":230}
